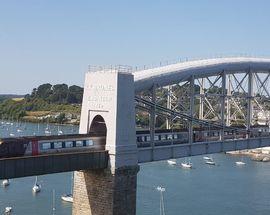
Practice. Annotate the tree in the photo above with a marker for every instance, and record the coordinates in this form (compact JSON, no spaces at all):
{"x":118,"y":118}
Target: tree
{"x":44,"y":91}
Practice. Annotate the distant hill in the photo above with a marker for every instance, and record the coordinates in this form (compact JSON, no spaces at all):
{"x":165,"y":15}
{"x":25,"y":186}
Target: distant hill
{"x":47,"y":103}
{"x":10,"y":96}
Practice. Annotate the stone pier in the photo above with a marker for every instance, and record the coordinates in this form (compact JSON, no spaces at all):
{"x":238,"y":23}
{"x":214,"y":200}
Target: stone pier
{"x":108,"y":106}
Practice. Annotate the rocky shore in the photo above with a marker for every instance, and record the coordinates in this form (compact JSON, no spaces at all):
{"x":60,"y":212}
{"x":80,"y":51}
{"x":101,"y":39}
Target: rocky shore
{"x":259,"y":154}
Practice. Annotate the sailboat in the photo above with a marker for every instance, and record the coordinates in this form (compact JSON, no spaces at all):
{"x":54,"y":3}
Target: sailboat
{"x":171,"y":162}
{"x":207,"y":158}
{"x":53,"y":203}
{"x":210,"y":161}
{"x":36,"y":188}
{"x":69,"y":197}
{"x":5,"y":182}
{"x":47,"y":130}
{"x":8,"y":210}
{"x":161,"y":204}
{"x":59,"y":132}
{"x":186,"y":165}
{"x":241,"y":162}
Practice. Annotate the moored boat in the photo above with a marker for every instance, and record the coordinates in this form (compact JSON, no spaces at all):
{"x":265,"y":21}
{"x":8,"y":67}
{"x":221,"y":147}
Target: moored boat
{"x":171,"y":162}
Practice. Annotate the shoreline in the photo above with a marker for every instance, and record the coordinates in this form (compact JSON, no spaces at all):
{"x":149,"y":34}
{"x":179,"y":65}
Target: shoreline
{"x":258,"y":154}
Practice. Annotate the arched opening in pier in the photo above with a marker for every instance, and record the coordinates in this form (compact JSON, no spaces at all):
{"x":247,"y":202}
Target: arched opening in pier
{"x":98,"y":127}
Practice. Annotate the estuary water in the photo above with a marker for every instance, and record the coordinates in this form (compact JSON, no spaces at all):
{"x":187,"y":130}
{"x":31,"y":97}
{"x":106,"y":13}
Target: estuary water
{"x":203,"y":190}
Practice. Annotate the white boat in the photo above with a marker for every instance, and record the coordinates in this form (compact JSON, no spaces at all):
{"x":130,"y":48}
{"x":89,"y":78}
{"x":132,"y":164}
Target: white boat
{"x":161,"y":202}
{"x":5,"y":182}
{"x":11,"y":134}
{"x":8,"y":210}
{"x":36,"y":188}
{"x":171,"y":162}
{"x":59,"y":132}
{"x":240,"y":163}
{"x":47,"y":130}
{"x":210,"y":162}
{"x":69,"y":197}
{"x":186,"y":165}
{"x":207,"y":158}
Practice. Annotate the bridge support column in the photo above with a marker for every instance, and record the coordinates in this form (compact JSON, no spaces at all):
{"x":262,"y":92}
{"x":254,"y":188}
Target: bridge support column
{"x":102,"y":192}
{"x":108,"y":105}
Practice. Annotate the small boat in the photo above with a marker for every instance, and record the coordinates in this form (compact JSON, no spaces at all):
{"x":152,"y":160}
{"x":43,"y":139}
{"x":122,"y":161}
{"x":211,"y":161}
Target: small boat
{"x":240,"y":163}
{"x":19,"y":130}
{"x":171,"y":162}
{"x":11,"y":134}
{"x":48,"y":130}
{"x":210,"y":162}
{"x":5,"y":182}
{"x":207,"y":158}
{"x":186,"y":165}
{"x":59,"y":132}
{"x":67,"y":198}
{"x":161,"y":202}
{"x":36,"y":188}
{"x":8,"y":210}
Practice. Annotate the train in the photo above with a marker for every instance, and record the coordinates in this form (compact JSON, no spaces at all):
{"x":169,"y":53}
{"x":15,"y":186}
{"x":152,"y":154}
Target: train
{"x":42,"y":145}
{"x":181,"y":136}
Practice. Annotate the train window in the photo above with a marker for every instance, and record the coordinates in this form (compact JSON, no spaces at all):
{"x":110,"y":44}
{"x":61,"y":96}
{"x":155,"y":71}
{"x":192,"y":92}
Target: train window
{"x":169,"y":137}
{"x":79,"y":143}
{"x":148,"y":138}
{"x":139,"y":139}
{"x":162,"y":137}
{"x":88,"y":142}
{"x":175,"y":136}
{"x":156,"y":137}
{"x":69,"y":144}
{"x":58,"y":145}
{"x":46,"y":146}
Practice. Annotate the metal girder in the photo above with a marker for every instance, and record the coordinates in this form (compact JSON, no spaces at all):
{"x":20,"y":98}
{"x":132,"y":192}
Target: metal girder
{"x":229,"y":98}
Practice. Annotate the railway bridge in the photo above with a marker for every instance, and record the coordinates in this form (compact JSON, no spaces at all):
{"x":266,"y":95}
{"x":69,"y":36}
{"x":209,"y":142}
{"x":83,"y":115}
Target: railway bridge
{"x":178,"y":110}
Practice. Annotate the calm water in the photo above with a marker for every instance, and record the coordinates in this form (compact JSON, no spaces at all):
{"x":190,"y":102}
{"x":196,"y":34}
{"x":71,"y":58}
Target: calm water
{"x":206,"y":190}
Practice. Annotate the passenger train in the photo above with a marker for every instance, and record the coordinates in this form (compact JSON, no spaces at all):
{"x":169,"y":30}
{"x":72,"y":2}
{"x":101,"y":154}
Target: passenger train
{"x":40,"y":145}
{"x":180,"y":136}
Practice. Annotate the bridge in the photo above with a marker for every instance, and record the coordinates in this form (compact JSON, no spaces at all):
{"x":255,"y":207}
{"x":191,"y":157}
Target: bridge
{"x":183,"y":109}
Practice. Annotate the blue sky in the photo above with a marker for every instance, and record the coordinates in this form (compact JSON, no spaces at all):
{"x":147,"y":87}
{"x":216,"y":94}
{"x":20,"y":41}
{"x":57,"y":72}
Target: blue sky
{"x":54,"y":41}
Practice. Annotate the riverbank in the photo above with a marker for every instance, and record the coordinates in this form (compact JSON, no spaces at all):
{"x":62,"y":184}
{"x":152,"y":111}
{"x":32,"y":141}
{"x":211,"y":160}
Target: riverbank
{"x":259,"y":154}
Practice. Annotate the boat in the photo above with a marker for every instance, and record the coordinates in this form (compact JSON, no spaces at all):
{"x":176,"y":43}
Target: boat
{"x":53,"y":202}
{"x":210,"y":162}
{"x":47,"y":129}
{"x":69,"y":197}
{"x":36,"y":188}
{"x":5,"y":182}
{"x":161,"y":202}
{"x":240,"y":163}
{"x":186,"y":165}
{"x":11,"y":134}
{"x":8,"y":210}
{"x":207,"y":158}
{"x":59,"y":132}
{"x":171,"y":162}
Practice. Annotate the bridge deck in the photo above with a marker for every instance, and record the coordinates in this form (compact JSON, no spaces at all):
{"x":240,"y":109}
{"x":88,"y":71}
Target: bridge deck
{"x":157,"y":153}
{"x":52,"y":163}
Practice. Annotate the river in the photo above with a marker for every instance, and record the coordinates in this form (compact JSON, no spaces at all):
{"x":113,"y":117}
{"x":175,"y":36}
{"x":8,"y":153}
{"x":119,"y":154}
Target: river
{"x":203,"y":190}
